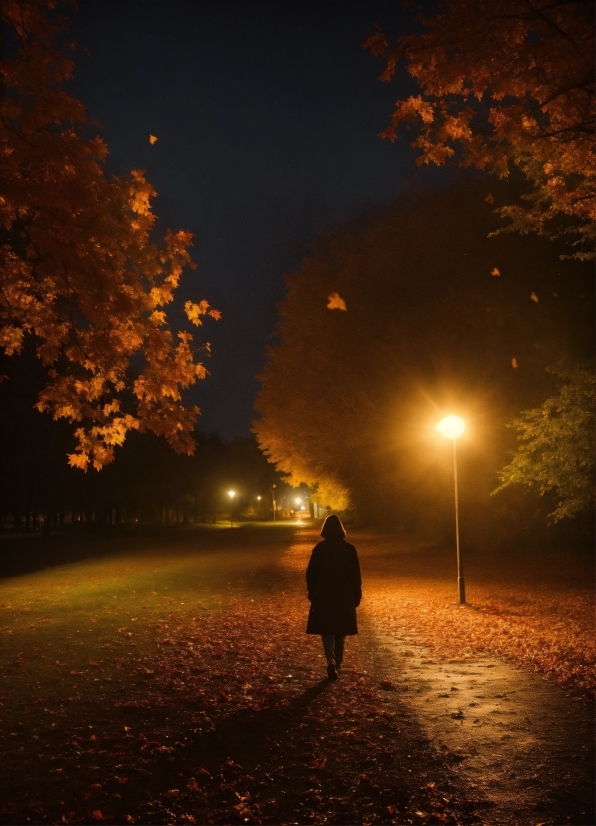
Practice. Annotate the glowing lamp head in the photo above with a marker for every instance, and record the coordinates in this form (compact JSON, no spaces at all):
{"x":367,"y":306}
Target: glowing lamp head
{"x":451,"y":426}
{"x":259,"y":498}
{"x":298,"y":501}
{"x":231,"y":493}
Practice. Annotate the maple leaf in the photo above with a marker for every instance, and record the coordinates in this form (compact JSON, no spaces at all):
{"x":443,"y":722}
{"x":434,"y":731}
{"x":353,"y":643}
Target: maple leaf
{"x":534,"y":297}
{"x":495,"y":271}
{"x":153,"y":139}
{"x":514,"y":362}
{"x":336,"y":302}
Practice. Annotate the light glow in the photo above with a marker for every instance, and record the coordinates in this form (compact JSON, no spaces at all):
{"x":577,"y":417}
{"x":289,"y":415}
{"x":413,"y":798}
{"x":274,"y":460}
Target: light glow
{"x":451,"y":426}
{"x":231,"y":493}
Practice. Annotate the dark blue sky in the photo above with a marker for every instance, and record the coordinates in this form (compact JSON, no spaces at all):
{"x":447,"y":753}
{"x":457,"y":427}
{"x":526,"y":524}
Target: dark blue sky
{"x":267,"y":115}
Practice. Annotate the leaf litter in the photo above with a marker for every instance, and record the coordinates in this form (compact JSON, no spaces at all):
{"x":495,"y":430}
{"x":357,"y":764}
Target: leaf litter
{"x":229,"y":720}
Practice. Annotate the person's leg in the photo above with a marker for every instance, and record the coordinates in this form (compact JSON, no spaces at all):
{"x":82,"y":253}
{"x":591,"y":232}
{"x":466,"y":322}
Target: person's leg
{"x":329,"y":646}
{"x":339,"y":650}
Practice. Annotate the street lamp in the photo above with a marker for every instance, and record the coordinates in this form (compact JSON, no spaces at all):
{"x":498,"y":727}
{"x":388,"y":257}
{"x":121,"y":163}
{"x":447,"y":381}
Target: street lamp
{"x":452,"y":427}
{"x":231,"y":494}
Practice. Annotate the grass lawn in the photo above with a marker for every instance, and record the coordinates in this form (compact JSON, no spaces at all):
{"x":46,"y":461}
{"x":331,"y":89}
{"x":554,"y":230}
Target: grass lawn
{"x":167,"y":679}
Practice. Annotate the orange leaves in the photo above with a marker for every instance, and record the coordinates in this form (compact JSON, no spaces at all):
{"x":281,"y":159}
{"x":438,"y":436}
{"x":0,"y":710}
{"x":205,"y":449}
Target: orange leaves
{"x":153,"y":140}
{"x":336,"y":302}
{"x":537,"y":113}
{"x":92,"y":288}
{"x":195,"y":311}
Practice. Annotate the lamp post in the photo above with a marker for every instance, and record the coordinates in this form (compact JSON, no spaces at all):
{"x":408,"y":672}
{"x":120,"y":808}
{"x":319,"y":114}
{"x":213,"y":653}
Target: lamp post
{"x":452,"y":427}
{"x":259,"y":501}
{"x":273,"y":498}
{"x":231,"y":494}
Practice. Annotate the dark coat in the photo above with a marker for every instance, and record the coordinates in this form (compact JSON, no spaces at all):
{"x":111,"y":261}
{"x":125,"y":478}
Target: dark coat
{"x":334,"y":588}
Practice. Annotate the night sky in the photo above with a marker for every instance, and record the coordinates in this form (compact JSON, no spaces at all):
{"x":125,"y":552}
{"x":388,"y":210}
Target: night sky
{"x":267,"y":115}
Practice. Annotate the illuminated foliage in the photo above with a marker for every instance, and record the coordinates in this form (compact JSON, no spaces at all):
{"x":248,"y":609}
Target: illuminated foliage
{"x":556,"y":451}
{"x":350,"y":398}
{"x":78,"y":271}
{"x":508,"y":84}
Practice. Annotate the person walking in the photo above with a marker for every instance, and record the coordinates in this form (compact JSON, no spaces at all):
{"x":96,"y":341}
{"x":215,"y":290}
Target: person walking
{"x":334,"y":588}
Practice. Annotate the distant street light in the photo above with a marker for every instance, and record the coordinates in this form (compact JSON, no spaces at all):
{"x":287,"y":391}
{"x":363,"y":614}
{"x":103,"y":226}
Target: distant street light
{"x":231,"y":494}
{"x":452,"y":427}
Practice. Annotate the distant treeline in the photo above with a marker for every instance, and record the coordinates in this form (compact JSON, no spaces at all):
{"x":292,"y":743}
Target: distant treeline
{"x":147,"y":483}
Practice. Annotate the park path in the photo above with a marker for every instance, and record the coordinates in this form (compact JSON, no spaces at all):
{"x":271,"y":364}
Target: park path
{"x":522,"y":748}
{"x":165,"y":677}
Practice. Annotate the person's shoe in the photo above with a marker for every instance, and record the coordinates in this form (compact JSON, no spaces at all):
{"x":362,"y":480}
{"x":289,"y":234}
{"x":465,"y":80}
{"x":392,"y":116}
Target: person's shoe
{"x":331,"y":670}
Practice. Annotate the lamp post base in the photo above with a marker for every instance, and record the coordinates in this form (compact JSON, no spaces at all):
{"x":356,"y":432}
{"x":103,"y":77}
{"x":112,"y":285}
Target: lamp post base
{"x":461,"y":590}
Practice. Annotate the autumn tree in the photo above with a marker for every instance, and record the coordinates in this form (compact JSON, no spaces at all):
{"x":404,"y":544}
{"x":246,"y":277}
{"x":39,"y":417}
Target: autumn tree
{"x":396,"y":319}
{"x":507,"y":85}
{"x":79,"y":274}
{"x":556,"y":444}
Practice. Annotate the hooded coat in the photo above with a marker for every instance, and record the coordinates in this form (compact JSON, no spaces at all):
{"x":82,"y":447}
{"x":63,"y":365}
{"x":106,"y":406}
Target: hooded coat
{"x":334,"y":587}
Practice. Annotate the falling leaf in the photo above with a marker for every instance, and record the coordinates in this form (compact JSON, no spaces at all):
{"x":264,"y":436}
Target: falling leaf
{"x":152,"y":139}
{"x":514,"y":362}
{"x":336,"y":302}
{"x":534,"y":297}
{"x":495,"y":271}
{"x":490,"y":199}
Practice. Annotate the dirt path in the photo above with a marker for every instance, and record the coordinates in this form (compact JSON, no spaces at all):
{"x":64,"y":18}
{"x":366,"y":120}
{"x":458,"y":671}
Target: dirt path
{"x":521,"y":746}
